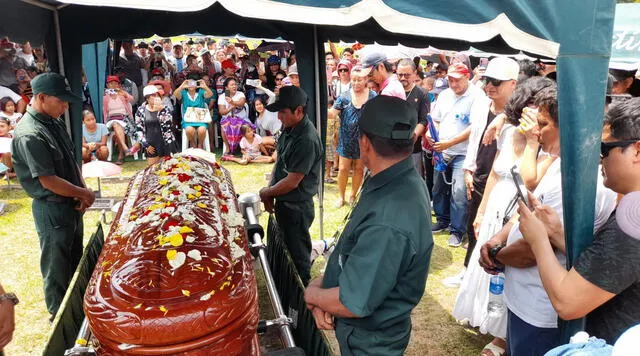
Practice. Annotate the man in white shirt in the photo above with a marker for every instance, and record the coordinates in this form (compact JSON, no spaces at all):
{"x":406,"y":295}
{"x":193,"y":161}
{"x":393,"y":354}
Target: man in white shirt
{"x":27,"y":54}
{"x":532,"y":321}
{"x":451,"y":115}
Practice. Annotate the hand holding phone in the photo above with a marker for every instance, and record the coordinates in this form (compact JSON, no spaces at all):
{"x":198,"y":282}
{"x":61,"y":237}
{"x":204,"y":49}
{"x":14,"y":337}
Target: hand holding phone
{"x":521,"y":188}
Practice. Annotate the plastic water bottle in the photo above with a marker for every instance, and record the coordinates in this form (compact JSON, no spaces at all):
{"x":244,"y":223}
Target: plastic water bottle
{"x":496,"y":305}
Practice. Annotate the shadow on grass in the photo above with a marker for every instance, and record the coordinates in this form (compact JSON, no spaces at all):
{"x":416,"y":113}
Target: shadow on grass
{"x":441,"y":258}
{"x":435,"y":332}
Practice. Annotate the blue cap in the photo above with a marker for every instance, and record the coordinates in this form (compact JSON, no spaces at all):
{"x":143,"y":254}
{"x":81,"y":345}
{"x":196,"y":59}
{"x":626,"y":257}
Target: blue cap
{"x":370,"y":60}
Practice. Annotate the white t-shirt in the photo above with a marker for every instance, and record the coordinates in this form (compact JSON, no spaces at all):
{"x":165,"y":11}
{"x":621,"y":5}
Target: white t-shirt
{"x":253,"y":149}
{"x":453,"y":114}
{"x":524,"y":293}
{"x":4,"y":91}
{"x":237,"y":112}
{"x":13,"y":119}
{"x":268,"y":122}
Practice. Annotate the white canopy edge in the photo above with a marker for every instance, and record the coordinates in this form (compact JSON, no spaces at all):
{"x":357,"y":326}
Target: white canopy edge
{"x":389,"y":18}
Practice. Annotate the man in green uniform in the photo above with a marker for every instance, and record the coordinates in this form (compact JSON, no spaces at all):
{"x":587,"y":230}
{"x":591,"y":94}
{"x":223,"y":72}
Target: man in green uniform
{"x":377,"y":273}
{"x":47,"y":169}
{"x":294,"y":180}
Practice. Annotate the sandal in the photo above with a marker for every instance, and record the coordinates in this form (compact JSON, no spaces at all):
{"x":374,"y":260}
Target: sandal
{"x":120,"y":162}
{"x":340,"y":203}
{"x":329,"y":180}
{"x":494,"y":349}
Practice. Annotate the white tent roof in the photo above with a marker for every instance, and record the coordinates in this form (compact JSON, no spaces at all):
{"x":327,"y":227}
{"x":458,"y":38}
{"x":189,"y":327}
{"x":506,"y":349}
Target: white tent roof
{"x":389,"y":18}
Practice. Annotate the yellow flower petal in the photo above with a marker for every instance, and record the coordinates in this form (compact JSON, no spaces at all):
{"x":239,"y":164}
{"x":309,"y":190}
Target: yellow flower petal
{"x":162,"y":173}
{"x":171,"y":254}
{"x":138,"y":306}
{"x":164,"y":310}
{"x":163,"y":181}
{"x":176,"y":240}
{"x":202,"y":205}
{"x":186,"y":292}
{"x":191,"y":196}
{"x":133,"y":217}
{"x":197,"y":187}
{"x":198,"y":194}
{"x":185,"y":230}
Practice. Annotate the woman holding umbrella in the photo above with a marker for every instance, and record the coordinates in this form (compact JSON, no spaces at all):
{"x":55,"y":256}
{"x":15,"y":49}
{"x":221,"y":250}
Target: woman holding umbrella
{"x":154,"y":124}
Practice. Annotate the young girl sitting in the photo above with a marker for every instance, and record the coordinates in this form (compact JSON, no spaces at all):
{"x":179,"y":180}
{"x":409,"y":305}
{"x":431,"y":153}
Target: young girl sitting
{"x":252,"y":148}
{"x":5,"y":158}
{"x":8,"y":111}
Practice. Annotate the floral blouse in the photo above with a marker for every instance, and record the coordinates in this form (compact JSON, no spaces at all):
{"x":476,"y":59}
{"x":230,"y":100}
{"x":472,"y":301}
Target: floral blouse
{"x":166,"y":124}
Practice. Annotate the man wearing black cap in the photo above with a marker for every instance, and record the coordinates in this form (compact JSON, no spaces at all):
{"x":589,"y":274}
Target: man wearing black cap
{"x":378,"y":270}
{"x":295,"y":176}
{"x":47,"y":168}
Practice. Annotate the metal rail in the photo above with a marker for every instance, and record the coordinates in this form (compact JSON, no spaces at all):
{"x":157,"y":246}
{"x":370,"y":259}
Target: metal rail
{"x":249,"y":202}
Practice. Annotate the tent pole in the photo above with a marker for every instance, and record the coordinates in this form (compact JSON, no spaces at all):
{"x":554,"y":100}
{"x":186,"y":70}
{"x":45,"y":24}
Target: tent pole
{"x":56,"y":22}
{"x":316,"y":68}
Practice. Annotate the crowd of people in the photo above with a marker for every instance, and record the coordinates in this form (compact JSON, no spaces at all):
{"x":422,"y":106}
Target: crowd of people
{"x":493,"y":122}
{"x":464,"y":136}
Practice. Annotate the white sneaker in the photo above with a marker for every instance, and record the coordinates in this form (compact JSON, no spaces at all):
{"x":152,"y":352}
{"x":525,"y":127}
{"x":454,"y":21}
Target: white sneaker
{"x":454,"y":281}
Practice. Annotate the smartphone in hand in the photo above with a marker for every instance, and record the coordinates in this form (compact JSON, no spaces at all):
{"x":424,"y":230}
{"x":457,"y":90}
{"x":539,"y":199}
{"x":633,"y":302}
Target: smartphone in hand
{"x":521,"y":188}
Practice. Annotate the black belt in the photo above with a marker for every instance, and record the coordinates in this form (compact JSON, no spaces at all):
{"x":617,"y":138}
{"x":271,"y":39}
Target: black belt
{"x":59,"y":200}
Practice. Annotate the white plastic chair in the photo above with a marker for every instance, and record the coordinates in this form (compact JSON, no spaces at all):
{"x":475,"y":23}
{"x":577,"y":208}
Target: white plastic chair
{"x":185,"y":140}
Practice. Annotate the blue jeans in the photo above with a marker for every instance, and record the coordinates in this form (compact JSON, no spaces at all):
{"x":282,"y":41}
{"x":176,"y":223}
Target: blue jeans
{"x":524,"y":339}
{"x":450,"y":201}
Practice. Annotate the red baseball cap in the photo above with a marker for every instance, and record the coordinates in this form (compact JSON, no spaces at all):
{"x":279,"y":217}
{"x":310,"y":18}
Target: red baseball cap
{"x":113,"y":78}
{"x":458,"y":71}
{"x":227,"y":63}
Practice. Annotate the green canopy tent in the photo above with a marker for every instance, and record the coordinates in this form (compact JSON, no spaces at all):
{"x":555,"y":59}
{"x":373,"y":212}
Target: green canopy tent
{"x":577,"y":33}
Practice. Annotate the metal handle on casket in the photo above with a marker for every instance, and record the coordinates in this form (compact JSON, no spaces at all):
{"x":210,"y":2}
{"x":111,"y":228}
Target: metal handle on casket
{"x":248,"y":204}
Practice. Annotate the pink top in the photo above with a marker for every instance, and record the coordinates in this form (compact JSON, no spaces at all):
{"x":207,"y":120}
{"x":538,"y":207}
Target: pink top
{"x":115,"y":106}
{"x":253,"y":148}
{"x":392,"y":87}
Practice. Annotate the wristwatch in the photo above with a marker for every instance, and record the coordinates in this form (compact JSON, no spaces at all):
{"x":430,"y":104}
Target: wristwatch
{"x":10,"y":296}
{"x":493,"y":252}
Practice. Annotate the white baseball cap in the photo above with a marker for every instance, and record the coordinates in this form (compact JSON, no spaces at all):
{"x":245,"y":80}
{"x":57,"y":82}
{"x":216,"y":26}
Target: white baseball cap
{"x":149,"y":90}
{"x":502,"y":68}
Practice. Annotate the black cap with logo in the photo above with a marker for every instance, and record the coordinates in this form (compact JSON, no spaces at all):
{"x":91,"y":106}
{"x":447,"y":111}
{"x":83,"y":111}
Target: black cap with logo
{"x":388,"y":117}
{"x":289,"y":97}
{"x":55,"y":85}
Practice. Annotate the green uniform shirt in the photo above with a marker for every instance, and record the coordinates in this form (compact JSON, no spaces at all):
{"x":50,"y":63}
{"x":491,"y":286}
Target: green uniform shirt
{"x":382,"y":257}
{"x":42,"y":147}
{"x":299,"y":151}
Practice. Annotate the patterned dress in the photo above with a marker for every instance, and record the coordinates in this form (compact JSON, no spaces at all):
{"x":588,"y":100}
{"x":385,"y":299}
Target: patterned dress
{"x":349,"y":116}
{"x":155,"y":129}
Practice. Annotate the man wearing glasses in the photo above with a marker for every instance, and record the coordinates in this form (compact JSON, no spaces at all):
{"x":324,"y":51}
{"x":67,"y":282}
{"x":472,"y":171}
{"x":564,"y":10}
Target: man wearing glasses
{"x":376,"y":66}
{"x":604,"y":284}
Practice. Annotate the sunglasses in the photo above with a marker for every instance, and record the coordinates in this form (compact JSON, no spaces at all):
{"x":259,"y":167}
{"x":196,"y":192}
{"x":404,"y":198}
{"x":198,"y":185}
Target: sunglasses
{"x":606,"y":147}
{"x":279,"y":78}
{"x":493,"y":81}
{"x":403,"y":75}
{"x":343,"y":70}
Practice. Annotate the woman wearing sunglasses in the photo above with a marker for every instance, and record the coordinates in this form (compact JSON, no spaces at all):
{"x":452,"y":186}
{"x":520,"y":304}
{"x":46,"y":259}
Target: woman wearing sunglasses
{"x":604,"y":283}
{"x":343,"y":83}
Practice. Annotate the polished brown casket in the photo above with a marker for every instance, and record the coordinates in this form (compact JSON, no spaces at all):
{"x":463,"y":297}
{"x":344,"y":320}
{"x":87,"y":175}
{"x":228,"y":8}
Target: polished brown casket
{"x":175,"y":276}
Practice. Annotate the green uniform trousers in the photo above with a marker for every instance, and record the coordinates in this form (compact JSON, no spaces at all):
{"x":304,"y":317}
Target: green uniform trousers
{"x":294,"y":220}
{"x":60,"y":230}
{"x":390,"y":341}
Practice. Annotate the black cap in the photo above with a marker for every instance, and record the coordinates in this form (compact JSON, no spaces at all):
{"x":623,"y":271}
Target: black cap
{"x":143,"y":45}
{"x":55,"y":85}
{"x":289,"y":97}
{"x":388,"y":117}
{"x":621,"y":74}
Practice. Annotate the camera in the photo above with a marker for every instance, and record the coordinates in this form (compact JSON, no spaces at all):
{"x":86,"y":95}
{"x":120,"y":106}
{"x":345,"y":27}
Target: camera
{"x":110,"y":91}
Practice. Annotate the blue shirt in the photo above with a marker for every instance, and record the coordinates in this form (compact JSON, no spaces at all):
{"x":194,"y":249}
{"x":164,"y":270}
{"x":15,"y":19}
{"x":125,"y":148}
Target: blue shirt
{"x":101,"y":130}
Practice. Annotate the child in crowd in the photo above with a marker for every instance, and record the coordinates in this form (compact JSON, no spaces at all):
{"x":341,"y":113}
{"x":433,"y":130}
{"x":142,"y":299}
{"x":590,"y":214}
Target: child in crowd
{"x":252,"y":148}
{"x":5,"y":158}
{"x":333,"y":127}
{"x":8,"y":111}
{"x":94,"y":138}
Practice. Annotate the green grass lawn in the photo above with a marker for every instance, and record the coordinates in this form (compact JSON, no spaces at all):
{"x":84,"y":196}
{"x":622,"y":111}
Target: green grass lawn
{"x":435,"y":332}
